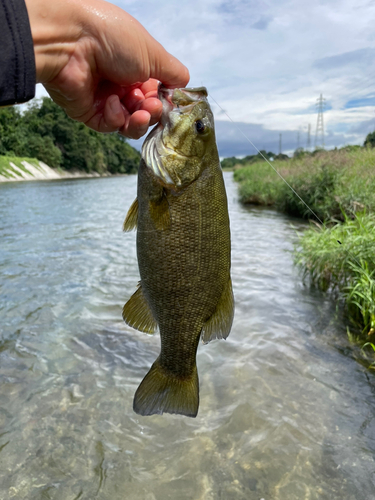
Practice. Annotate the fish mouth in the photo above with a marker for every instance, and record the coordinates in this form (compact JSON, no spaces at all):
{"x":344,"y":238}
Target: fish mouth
{"x":181,"y":97}
{"x":180,"y":100}
{"x":154,"y":149}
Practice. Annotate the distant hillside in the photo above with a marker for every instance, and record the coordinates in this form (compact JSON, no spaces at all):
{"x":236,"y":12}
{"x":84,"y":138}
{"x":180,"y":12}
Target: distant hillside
{"x":45,"y":132}
{"x":231,"y":162}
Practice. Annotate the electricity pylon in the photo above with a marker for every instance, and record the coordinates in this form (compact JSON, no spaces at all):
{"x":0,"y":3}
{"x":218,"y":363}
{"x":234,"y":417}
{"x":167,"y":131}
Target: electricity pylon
{"x":320,"y":124}
{"x":308,"y":145}
{"x":280,"y":148}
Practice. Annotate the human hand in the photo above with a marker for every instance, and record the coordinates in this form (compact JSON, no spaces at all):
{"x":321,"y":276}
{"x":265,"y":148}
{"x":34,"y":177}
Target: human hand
{"x":100,"y":65}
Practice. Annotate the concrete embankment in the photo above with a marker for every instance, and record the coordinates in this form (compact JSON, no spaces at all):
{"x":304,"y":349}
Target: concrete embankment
{"x":19,"y":169}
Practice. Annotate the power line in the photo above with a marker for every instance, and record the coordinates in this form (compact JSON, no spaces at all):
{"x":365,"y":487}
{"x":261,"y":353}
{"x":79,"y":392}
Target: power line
{"x":365,"y":83}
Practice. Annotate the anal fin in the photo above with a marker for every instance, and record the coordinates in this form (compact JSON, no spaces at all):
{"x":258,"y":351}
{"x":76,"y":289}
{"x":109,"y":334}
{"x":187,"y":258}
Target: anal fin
{"x":137,"y":313}
{"x":219,"y":324}
{"x":131,"y":220}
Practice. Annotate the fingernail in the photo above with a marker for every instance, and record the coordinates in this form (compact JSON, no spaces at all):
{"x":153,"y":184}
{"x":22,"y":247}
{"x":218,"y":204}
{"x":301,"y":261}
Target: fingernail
{"x":114,"y":105}
{"x":141,"y":131}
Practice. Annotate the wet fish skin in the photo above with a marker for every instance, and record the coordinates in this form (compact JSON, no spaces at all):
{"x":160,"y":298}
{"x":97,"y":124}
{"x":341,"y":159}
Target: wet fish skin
{"x":183,"y":249}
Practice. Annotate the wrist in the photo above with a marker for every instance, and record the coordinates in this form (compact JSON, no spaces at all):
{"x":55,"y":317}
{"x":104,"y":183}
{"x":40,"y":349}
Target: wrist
{"x":55,"y":30}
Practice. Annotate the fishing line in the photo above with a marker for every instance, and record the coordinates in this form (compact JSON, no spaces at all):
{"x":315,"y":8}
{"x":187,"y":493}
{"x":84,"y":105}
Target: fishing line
{"x":269,"y":163}
{"x":281,"y":177}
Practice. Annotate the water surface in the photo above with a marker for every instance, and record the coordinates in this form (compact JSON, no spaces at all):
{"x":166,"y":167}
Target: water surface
{"x":285,"y":412}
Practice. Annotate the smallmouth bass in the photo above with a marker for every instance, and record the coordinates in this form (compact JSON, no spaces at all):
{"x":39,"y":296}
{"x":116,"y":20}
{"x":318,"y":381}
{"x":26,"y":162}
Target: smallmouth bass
{"x":183,"y":250}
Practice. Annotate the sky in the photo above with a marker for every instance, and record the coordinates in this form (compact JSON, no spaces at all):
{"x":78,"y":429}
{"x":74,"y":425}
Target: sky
{"x":267,"y":62}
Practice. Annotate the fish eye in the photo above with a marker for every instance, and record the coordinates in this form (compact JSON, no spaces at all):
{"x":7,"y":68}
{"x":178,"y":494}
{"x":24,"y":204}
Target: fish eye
{"x":200,"y":126}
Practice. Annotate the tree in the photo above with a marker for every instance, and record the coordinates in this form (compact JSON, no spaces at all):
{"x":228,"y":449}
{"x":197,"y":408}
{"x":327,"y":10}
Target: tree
{"x":10,"y":136}
{"x":44,"y":131}
{"x":370,"y":140}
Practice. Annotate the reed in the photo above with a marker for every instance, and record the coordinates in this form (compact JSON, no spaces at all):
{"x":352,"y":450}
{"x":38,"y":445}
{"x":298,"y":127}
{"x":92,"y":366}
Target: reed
{"x":333,"y":183}
{"x":341,"y":258}
{"x":338,"y":257}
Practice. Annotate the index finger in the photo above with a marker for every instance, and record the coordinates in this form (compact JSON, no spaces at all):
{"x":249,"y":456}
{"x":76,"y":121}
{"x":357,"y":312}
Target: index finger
{"x":150,"y":88}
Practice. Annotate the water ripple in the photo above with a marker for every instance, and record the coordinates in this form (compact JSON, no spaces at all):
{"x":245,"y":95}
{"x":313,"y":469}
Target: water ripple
{"x":285,"y":410}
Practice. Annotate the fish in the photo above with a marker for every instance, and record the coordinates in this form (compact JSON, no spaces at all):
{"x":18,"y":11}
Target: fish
{"x":183,"y":250}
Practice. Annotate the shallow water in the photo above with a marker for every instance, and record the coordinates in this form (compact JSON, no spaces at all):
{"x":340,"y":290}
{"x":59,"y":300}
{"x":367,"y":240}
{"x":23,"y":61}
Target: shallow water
{"x":285,"y":412}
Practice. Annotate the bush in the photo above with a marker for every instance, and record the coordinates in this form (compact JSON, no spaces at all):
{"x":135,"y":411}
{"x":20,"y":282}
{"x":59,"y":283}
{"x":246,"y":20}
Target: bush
{"x":341,"y":258}
{"x":42,"y":148}
{"x":316,"y":191}
{"x":331,"y":183}
{"x":370,"y":140}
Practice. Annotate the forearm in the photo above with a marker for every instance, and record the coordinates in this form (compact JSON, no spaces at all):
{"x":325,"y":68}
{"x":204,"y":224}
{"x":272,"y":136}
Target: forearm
{"x":17,"y":75}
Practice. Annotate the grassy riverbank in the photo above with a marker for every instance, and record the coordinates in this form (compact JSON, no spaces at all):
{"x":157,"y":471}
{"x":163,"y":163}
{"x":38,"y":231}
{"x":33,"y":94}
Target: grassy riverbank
{"x":8,"y":171}
{"x":347,"y":268}
{"x":339,"y":186}
{"x":15,"y":168}
{"x":331,"y":183}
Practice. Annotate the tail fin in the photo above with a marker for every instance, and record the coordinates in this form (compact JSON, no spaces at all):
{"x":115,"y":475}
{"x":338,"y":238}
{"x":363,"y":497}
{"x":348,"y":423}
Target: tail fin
{"x":161,"y":392}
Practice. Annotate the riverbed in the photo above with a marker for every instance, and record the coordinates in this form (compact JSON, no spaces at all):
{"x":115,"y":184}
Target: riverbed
{"x":286,"y":413}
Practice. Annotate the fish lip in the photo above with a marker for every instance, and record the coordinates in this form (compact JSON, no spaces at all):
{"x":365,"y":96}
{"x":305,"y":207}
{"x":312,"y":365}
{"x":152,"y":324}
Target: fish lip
{"x":165,"y":96}
{"x":166,"y":92}
{"x":182,"y":97}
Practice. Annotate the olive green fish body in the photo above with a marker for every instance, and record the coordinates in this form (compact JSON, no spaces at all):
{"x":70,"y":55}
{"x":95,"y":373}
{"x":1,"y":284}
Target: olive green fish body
{"x":183,"y":249}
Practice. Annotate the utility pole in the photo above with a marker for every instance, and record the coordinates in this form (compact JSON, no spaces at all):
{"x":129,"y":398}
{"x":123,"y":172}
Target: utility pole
{"x":298,"y":140}
{"x":308,"y":145}
{"x":280,"y":148}
{"x":320,"y":124}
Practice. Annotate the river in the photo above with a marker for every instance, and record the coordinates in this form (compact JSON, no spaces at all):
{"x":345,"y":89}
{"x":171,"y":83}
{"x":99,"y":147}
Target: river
{"x":286,"y":413}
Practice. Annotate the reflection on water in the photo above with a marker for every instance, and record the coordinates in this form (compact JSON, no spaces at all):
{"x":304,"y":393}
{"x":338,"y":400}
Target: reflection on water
{"x":285,"y":412}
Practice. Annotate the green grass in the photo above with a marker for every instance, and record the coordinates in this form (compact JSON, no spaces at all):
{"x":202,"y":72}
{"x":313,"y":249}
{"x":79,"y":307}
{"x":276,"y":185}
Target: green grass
{"x":341,"y":259}
{"x":372,"y":346}
{"x":332,"y":183}
{"x":259,"y":184}
{"x":5,"y":165}
{"x":339,"y":186}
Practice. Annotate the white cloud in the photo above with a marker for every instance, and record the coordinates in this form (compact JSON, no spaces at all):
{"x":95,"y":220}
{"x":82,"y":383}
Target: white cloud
{"x":272,"y":77}
{"x":266,"y":62}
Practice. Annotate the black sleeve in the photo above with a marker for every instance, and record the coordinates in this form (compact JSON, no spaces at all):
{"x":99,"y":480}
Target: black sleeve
{"x":17,"y":60}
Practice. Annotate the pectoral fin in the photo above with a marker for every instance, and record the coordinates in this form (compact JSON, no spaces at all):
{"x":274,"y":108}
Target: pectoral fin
{"x":131,"y":219}
{"x":220,"y":323}
{"x":137,"y":313}
{"x":160,"y":213}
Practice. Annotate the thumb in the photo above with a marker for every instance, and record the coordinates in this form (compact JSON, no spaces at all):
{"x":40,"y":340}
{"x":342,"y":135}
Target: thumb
{"x":166,"y":68}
